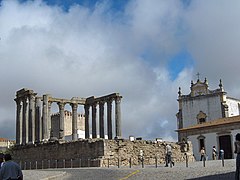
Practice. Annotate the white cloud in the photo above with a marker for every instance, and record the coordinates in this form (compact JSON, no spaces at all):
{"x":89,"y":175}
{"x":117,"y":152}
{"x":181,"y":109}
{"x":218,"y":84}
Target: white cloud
{"x":214,"y":40}
{"x":86,"y":52}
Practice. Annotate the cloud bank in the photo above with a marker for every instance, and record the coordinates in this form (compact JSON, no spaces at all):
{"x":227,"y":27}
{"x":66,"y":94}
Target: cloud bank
{"x":95,"y":51}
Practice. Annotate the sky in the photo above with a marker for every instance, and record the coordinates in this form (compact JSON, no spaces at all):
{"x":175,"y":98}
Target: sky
{"x":144,"y":50}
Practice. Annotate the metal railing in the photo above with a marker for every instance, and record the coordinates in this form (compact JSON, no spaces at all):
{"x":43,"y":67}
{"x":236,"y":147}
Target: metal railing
{"x":100,"y":162}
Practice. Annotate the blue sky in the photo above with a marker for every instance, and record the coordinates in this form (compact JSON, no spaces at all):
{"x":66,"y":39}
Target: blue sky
{"x":116,"y":5}
{"x":145,"y":50}
{"x":178,"y":62}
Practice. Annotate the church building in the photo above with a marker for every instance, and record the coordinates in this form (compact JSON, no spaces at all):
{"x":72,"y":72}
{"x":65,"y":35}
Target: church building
{"x":208,"y":118}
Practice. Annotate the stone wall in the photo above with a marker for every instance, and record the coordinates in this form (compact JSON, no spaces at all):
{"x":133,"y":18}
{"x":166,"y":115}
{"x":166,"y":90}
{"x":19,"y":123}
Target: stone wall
{"x":96,"y":152}
{"x":127,"y":151}
{"x":45,"y":155}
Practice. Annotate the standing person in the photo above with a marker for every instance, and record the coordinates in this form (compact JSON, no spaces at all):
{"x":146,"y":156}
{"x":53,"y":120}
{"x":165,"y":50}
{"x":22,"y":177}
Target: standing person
{"x":168,"y":155}
{"x":1,"y":159}
{"x":203,"y":154}
{"x":237,"y":151}
{"x":214,"y":153}
{"x":10,"y":169}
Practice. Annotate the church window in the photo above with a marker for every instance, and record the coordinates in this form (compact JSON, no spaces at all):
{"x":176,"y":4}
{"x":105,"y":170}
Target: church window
{"x":201,"y":140}
{"x":201,"y":117}
{"x":201,"y":144}
{"x":202,"y":120}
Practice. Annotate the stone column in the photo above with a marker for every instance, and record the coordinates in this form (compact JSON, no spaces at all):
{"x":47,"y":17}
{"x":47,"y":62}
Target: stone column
{"x":38,"y":120}
{"x":31,"y":127}
{"x":19,"y":122}
{"x":86,"y":107}
{"x":45,"y":118}
{"x":101,"y":118}
{"x":25,"y":121}
{"x":61,"y":120}
{"x":109,"y":118}
{"x":94,"y":122}
{"x":74,"y":121}
{"x":49,"y":126}
{"x":118,"y":116}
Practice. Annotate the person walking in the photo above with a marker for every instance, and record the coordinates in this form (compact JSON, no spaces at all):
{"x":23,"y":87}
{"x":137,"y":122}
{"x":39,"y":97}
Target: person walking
{"x":168,"y":155}
{"x":203,"y":154}
{"x":10,"y":169}
{"x":214,"y":153}
{"x":237,"y":151}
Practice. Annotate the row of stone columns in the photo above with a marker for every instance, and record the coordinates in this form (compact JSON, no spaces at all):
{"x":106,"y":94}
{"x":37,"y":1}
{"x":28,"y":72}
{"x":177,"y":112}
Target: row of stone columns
{"x":101,"y":104}
{"x":33,"y":118}
{"x":25,"y":118}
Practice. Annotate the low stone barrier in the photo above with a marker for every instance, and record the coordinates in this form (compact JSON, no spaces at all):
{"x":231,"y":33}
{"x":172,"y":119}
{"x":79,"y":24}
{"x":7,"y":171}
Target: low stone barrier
{"x":98,"y":153}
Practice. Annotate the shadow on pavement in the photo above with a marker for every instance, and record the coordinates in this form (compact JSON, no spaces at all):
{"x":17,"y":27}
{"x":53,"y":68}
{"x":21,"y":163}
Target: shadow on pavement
{"x":228,"y":176}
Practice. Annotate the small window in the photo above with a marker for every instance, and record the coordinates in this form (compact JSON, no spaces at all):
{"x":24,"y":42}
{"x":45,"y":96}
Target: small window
{"x":201,"y":144}
{"x":201,"y":117}
{"x":202,"y":120}
{"x":201,"y":140}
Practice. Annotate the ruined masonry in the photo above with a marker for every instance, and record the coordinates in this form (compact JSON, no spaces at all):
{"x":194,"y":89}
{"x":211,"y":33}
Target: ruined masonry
{"x":33,"y":119}
{"x":38,"y":148}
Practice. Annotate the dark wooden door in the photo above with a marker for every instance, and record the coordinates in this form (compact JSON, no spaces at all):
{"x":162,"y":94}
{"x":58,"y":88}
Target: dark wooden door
{"x":226,"y":144}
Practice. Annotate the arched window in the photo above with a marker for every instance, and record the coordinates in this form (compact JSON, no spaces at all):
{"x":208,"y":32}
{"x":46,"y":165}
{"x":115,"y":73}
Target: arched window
{"x":201,"y":117}
{"x":201,"y":120}
{"x":201,"y":140}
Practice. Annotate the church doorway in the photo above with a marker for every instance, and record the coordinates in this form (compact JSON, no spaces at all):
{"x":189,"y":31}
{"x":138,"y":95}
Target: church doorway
{"x":226,"y":145}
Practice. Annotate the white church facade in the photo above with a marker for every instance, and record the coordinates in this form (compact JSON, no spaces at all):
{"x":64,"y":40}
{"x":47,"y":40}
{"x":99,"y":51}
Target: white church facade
{"x":208,"y":118}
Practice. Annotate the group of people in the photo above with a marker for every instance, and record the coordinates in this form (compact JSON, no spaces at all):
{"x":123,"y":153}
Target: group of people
{"x":214,"y":153}
{"x":221,"y":154}
{"x":9,"y":169}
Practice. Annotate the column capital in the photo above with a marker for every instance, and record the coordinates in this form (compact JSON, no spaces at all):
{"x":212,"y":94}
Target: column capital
{"x":118,"y":99}
{"x":94,"y":105}
{"x":61,"y":105}
{"x":18,"y":101}
{"x":101,"y":103}
{"x":74,"y":105}
{"x":32,"y":95}
{"x":110,"y":100}
{"x":25,"y":99}
{"x":86,"y":105}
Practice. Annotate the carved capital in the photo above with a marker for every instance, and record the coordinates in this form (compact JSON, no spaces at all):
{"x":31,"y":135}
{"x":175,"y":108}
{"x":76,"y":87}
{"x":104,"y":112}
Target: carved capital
{"x":101,"y":103}
{"x":117,"y":99}
{"x":86,"y":108}
{"x":49,"y":103}
{"x":74,"y":106}
{"x":61,"y":105}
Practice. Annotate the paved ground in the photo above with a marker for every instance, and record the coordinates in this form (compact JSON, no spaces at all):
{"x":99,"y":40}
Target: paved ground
{"x":213,"y":170}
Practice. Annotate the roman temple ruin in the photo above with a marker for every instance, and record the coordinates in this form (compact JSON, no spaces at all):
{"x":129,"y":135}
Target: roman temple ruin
{"x":33,"y":116}
{"x":51,"y":140}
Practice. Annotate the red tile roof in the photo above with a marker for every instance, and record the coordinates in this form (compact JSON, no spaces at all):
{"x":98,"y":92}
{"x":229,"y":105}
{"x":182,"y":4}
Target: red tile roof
{"x":5,"y":140}
{"x":216,"y":122}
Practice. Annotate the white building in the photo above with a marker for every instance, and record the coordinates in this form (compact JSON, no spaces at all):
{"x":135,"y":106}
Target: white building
{"x":208,"y":118}
{"x":5,"y":144}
